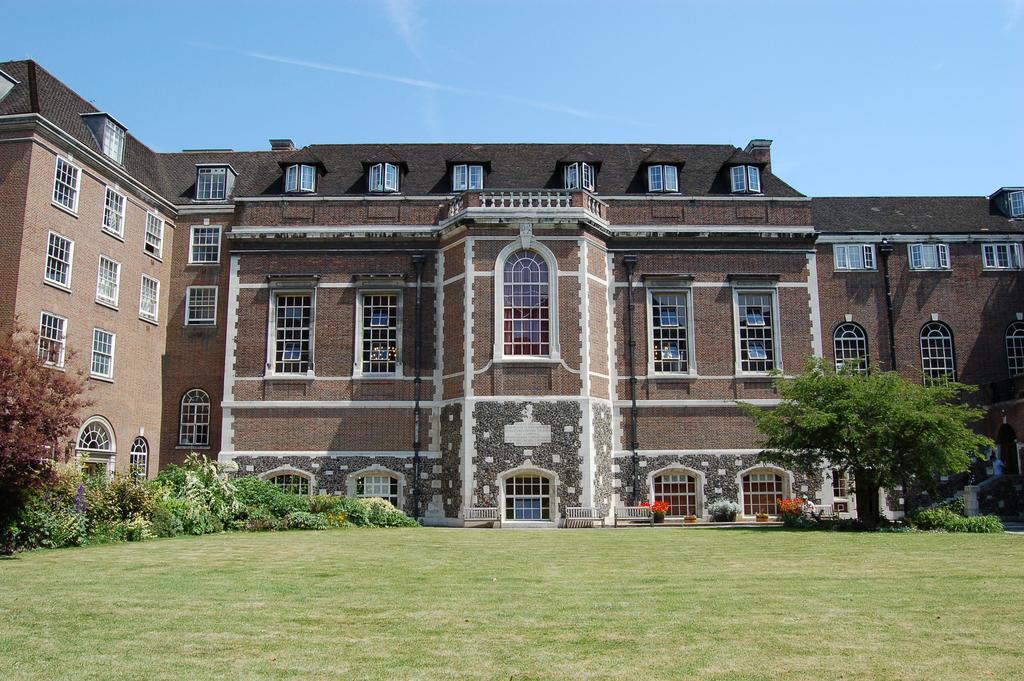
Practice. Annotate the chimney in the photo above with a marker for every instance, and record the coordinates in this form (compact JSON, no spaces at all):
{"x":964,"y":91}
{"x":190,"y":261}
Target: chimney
{"x":762,"y":151}
{"x":281,"y":145}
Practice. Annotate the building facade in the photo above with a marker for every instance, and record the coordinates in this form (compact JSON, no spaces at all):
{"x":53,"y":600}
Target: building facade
{"x":526,"y":328}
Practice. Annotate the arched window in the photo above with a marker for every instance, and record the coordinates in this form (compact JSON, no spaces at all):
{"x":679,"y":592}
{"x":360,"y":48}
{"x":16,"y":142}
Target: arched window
{"x":762,"y":491}
{"x":96,"y":446}
{"x":679,"y":489}
{"x":1015,"y":349}
{"x":380,"y":485}
{"x":291,"y":483}
{"x":526,"y":308}
{"x":528,"y":497}
{"x":194,"y":427}
{"x":138,"y":458}
{"x":938,"y":360}
{"x":851,"y":346}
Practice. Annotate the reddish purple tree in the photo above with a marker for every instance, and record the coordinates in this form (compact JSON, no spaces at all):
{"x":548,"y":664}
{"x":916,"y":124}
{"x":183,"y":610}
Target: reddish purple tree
{"x":39,"y":408}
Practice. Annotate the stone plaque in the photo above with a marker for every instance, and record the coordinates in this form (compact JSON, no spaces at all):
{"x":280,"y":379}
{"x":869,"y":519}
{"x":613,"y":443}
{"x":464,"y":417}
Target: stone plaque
{"x":528,"y":433}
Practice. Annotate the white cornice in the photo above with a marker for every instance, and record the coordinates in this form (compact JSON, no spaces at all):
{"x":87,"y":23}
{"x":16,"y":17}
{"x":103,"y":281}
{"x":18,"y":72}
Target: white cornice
{"x":897,"y":238}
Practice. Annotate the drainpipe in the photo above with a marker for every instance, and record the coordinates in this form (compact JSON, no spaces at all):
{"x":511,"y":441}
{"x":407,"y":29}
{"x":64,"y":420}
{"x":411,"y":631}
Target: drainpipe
{"x":630,"y":262}
{"x":418,"y":261}
{"x":884,"y":251}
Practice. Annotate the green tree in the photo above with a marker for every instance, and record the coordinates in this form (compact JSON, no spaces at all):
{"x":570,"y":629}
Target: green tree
{"x":880,"y":427}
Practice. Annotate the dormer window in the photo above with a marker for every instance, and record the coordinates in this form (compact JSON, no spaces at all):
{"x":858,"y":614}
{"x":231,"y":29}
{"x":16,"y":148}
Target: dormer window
{"x":300,"y":178}
{"x":579,"y":176}
{"x":662,"y":178}
{"x":108,"y":133}
{"x":383,"y":177}
{"x":745,"y":179}
{"x":1015,"y":200}
{"x":467,"y":177}
{"x":212,"y":183}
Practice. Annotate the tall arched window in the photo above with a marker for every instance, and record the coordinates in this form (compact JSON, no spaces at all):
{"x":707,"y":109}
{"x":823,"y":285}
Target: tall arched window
{"x":851,"y":346}
{"x":526,"y":308}
{"x":1015,"y":349}
{"x":194,"y":427}
{"x":762,"y":490}
{"x":938,"y":360}
{"x":96,"y":446}
{"x":679,"y":489}
{"x":138,"y":458}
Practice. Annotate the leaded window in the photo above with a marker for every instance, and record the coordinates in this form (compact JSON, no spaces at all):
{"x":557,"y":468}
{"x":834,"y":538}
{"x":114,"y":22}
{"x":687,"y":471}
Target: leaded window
{"x":205,"y":245}
{"x":380,"y":333}
{"x":149,"y":299}
{"x":526,"y":309}
{"x":138,"y":458}
{"x":292,"y":483}
{"x":102,"y":364}
{"x":65,"y":185}
{"x":59,"y":255}
{"x":201,"y":305}
{"x":1015,"y":349}
{"x":669,"y":342}
{"x":756,"y":331}
{"x":851,"y":347}
{"x":211,"y":183}
{"x":113,"y":212}
{"x":194,"y":423}
{"x":527,"y":497}
{"x":379,"y":486}
{"x":108,"y":280}
{"x":938,"y":359}
{"x":293,"y":330}
{"x":679,"y":490}
{"x":52,"y":339}
{"x":762,"y":492}
{"x":154,"y":235}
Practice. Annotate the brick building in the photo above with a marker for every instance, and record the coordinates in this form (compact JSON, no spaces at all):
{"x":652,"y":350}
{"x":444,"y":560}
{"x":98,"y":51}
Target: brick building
{"x":449,"y":325}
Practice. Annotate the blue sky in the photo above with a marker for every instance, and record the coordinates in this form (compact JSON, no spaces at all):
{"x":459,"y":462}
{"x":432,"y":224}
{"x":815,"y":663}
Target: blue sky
{"x":861,"y":97}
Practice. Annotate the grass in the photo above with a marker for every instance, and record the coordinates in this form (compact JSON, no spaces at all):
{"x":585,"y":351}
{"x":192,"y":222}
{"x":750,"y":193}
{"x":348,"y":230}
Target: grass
{"x":441,"y":603}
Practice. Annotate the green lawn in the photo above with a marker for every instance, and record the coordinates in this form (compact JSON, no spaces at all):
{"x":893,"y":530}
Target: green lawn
{"x":441,"y":603}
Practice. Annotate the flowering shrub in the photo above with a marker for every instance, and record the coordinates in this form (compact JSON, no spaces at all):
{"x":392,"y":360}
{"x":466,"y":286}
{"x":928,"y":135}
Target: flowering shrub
{"x":724,"y":510}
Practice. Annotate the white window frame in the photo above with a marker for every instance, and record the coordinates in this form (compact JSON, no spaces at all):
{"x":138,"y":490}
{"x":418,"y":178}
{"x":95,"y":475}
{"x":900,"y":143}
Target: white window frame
{"x":100,"y":456}
{"x":785,"y":488}
{"x":687,"y":320}
{"x":61,"y":342}
{"x":662,"y":178}
{"x":579,"y":175}
{"x":383,"y":178}
{"x":113,"y":141}
{"x":841,"y":340}
{"x":110,"y":208}
{"x":109,"y":301}
{"x":210,"y":195}
{"x":1015,"y":349}
{"x":194,"y":423}
{"x":990,"y":256}
{"x":745,"y":179}
{"x":841,"y":257}
{"x":143,"y":314}
{"x":1017,"y":197}
{"x":467,"y":177}
{"x":554,"y":348}
{"x":65,"y":285}
{"x":138,"y":458}
{"x":295,"y":178}
{"x":360,"y":331}
{"x":192,"y":260}
{"x":303,"y":478}
{"x":271,"y":366}
{"x":916,"y":255}
{"x":74,"y":190}
{"x":200,"y":321}
{"x":153,"y":245}
{"x":773,"y":293}
{"x":951,"y":359}
{"x":378,"y":471}
{"x":109,"y":376}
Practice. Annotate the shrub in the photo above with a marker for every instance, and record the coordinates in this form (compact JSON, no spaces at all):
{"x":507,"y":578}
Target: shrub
{"x":325,"y":504}
{"x":723,"y":510}
{"x":303,"y":520}
{"x":165,"y":523}
{"x":48,"y":523}
{"x":193,"y":516}
{"x":375,"y":512}
{"x":255,"y":492}
{"x":943,"y":519}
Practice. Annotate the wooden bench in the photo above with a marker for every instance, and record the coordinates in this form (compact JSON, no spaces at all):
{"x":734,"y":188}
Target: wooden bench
{"x":582,"y":516}
{"x":633,"y":514}
{"x":481,"y":515}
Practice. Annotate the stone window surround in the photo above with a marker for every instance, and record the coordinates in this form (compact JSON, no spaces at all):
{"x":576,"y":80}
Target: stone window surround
{"x":371,"y":287}
{"x":668,"y":286}
{"x":740,"y":286}
{"x":526,"y":242}
{"x":787,"y":481}
{"x":108,"y":457}
{"x":529,"y":470}
{"x":680,"y":469}
{"x":291,"y":286}
{"x":375,"y":469}
{"x":285,"y":469}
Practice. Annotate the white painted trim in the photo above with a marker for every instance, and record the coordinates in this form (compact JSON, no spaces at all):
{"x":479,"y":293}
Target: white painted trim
{"x":787,"y":481}
{"x":897,"y":238}
{"x":528,"y":470}
{"x":357,"y":347}
{"x":529,"y":243}
{"x":227,"y":427}
{"x":192,"y":241}
{"x":468,"y":471}
{"x":587,"y":441}
{"x":285,"y":469}
{"x":188,"y":307}
{"x":815,"y":305}
{"x":380,"y":471}
{"x":755,"y":288}
{"x":679,"y":467}
{"x":650,"y":290}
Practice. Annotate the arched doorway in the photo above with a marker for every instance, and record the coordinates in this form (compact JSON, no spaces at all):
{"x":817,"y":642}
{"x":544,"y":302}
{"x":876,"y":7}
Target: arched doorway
{"x":1007,"y":442}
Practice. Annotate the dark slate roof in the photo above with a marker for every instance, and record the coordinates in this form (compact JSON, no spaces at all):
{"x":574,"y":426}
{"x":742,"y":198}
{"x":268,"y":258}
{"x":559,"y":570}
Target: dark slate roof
{"x":620,"y":167}
{"x":911,"y":215}
{"x":38,"y":91}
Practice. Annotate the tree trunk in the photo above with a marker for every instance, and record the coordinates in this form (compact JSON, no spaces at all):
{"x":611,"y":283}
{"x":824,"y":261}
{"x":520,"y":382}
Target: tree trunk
{"x":868,"y":508}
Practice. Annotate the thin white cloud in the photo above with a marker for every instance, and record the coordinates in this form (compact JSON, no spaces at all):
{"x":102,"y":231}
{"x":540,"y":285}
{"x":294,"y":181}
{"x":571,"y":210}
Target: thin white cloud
{"x":418,"y":83}
{"x":405,"y":20}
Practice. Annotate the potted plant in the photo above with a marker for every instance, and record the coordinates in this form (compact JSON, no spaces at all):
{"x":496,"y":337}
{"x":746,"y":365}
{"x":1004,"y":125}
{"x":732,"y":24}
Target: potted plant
{"x":690,"y":519}
{"x":724,"y":511}
{"x":762,"y":517}
{"x":658,"y":510}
